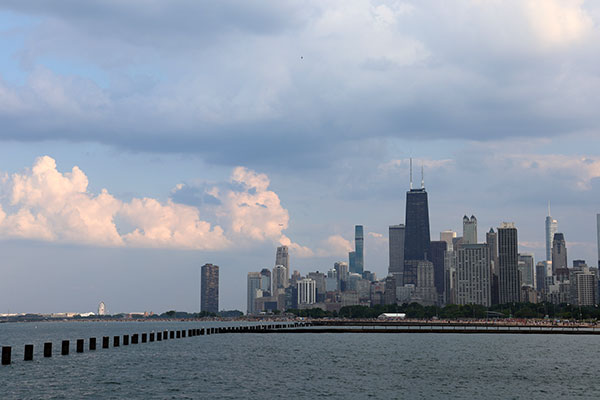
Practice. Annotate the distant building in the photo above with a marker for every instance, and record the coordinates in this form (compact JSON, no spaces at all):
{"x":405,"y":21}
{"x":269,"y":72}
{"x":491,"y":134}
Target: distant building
{"x":417,"y":238}
{"x":396,"y":252}
{"x":389,"y":296}
{"x":473,"y":275}
{"x":491,"y":238}
{"x":282,"y":257}
{"x":101,"y":308}
{"x":254,"y":284}
{"x":508,"y":273}
{"x":448,"y":237}
{"x":470,"y":230}
{"x":265,"y":281}
{"x":320,"y":284}
{"x":551,"y":228}
{"x":425,"y":293}
{"x":209,"y":288}
{"x":359,"y":256}
{"x":307,"y":291}
{"x":540,"y":276}
{"x":526,"y":269}
{"x":559,"y":254}
{"x":279,"y":279}
{"x":438,"y":250}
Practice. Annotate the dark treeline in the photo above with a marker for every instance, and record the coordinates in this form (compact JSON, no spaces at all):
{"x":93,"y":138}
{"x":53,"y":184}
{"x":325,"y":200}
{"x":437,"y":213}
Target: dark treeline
{"x":453,"y":311}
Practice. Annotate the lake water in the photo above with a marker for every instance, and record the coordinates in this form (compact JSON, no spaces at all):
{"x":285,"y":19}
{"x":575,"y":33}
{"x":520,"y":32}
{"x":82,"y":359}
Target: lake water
{"x":267,"y":366}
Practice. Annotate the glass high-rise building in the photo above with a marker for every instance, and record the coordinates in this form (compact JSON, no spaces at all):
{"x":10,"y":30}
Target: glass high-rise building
{"x":358,"y":266}
{"x":438,"y":249}
{"x":508,"y":264}
{"x":209,"y":288}
{"x":551,"y":228}
{"x":559,"y":253}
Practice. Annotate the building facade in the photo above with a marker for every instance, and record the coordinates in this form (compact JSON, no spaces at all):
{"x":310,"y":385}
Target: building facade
{"x":282,"y":257}
{"x":254,"y":284}
{"x":396,"y":252}
{"x":473,"y":281}
{"x":469,"y":230}
{"x":209,"y":288}
{"x":307,"y":291}
{"x":559,"y":254}
{"x":508,"y":261}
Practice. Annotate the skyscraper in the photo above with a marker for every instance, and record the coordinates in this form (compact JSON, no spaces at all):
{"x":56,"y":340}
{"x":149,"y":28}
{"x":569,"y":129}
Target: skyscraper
{"x":491,"y":238}
{"x":508,"y":273}
{"x":469,"y":230}
{"x":357,"y":265}
{"x":307,"y":291}
{"x":473,"y":275}
{"x":559,"y":253}
{"x":254,"y":283}
{"x":438,"y":250}
{"x":417,"y":238}
{"x":265,"y":281}
{"x":209,"y":288}
{"x":551,"y":228}
{"x":526,"y":269}
{"x":396,"y":242}
{"x":279,"y":280}
{"x":283,"y":258}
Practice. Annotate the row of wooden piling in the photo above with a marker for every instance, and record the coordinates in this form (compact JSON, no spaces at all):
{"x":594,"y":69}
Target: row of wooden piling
{"x":145,"y":337}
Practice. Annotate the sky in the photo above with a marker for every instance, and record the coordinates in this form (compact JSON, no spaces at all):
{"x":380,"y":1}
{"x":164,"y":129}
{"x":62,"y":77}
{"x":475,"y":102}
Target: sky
{"x":140,"y":140}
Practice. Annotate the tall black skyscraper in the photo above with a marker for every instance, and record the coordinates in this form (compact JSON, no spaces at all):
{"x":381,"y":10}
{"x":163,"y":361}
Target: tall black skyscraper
{"x":417,"y":240}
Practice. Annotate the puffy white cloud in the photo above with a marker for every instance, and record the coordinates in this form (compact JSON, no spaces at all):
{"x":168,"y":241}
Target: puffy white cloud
{"x":335,"y":245}
{"x":170,"y":225}
{"x":45,"y":204}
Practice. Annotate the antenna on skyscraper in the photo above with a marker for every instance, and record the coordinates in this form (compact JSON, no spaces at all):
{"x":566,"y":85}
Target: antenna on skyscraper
{"x":422,"y":178}
{"x":411,"y":173}
{"x":549,"y":208}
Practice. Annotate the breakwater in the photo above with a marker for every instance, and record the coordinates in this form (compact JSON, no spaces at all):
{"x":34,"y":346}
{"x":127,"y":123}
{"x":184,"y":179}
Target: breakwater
{"x":90,"y":345}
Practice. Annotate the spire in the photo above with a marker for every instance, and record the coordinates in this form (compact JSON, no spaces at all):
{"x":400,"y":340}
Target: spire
{"x":411,"y":173}
{"x":422,"y":178}
{"x":549,"y":208}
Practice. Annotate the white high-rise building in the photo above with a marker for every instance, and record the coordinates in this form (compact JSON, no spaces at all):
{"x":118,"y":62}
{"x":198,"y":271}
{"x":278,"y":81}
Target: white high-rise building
{"x":551,"y":228}
{"x":469,"y":230}
{"x":307,"y":291}
{"x":101,"y":308}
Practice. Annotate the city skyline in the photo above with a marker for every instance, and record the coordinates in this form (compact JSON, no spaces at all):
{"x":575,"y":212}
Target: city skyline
{"x":220,"y":139}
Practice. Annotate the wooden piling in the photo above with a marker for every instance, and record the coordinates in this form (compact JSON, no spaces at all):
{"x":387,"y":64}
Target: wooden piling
{"x":158,"y":336}
{"x":125,"y":340}
{"x":28,"y":353}
{"x":92,"y":345}
{"x":152,"y":336}
{"x":79,"y":346}
{"x":105,"y":342}
{"x":48,"y":349}
{"x":172,"y":334}
{"x":144,"y":337}
{"x":6,"y":350}
{"x":116,"y":341}
{"x":65,"y":348}
{"x":135,"y":338}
